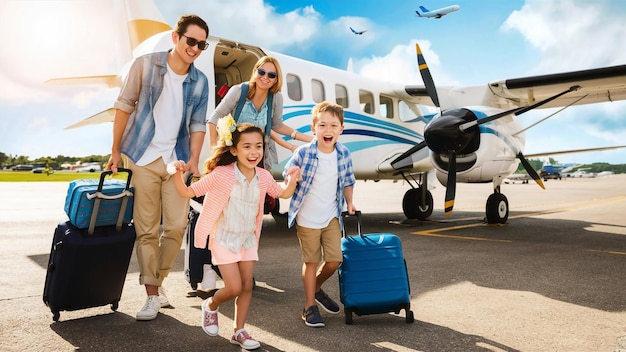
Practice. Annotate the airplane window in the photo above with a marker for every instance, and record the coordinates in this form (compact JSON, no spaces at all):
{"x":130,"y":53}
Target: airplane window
{"x":341,"y":95}
{"x":294,"y":87}
{"x":318,"y":91}
{"x":366,"y":100}
{"x":386,"y":107}
{"x":408,"y":111}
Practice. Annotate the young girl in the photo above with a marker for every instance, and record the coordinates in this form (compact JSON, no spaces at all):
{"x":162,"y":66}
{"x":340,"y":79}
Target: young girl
{"x":234,"y":187}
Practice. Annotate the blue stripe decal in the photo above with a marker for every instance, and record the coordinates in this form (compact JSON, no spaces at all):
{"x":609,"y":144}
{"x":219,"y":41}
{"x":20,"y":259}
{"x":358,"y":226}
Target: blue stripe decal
{"x":408,"y":137}
{"x":487,"y":130}
{"x":380,"y":135}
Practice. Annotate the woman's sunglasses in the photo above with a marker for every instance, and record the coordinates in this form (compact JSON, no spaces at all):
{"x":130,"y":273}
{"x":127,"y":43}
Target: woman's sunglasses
{"x":203,"y":45}
{"x":270,"y":74}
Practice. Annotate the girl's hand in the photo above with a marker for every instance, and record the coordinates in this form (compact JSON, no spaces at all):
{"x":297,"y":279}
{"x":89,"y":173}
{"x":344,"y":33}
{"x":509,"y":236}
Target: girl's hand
{"x":175,"y":167}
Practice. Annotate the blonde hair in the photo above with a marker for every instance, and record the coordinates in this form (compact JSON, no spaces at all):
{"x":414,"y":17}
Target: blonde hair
{"x":221,"y":154}
{"x":279,"y":76}
{"x":335,"y":109}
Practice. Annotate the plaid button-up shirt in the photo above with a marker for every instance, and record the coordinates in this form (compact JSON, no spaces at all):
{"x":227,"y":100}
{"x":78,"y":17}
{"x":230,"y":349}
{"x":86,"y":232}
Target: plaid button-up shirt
{"x":306,"y":158}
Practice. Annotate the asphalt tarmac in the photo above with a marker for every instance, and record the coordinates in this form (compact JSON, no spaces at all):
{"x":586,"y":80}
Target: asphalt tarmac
{"x":551,"y":279}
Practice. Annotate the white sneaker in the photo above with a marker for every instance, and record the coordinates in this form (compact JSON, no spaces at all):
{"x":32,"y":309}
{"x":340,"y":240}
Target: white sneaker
{"x":150,"y":309}
{"x":243,"y":339}
{"x":209,"y":278}
{"x":209,"y":319}
{"x":163,"y":300}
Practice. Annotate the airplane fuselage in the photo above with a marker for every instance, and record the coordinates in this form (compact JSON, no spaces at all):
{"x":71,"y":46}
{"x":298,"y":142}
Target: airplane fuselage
{"x":437,"y":13}
{"x":381,"y":119}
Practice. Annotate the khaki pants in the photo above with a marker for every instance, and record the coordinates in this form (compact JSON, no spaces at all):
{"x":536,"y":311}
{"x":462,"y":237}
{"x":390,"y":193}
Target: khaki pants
{"x":156,"y":202}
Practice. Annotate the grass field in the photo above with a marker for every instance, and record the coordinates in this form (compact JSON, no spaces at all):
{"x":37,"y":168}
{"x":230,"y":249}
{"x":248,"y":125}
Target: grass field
{"x":57,"y":176}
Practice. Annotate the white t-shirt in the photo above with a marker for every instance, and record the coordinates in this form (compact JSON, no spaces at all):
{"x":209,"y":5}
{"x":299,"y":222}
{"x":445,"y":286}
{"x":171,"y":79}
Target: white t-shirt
{"x":320,"y":203}
{"x":168,"y":115}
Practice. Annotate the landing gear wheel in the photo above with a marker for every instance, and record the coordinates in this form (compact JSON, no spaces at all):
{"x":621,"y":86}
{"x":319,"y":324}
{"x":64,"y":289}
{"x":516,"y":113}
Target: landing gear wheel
{"x":411,"y":204}
{"x":497,"y":209}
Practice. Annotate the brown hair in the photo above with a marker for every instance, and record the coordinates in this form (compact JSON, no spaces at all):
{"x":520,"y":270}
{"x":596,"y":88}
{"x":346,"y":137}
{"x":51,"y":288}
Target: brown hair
{"x":221,"y":154}
{"x":335,"y":109}
{"x":279,"y":78}
{"x":187,"y":20}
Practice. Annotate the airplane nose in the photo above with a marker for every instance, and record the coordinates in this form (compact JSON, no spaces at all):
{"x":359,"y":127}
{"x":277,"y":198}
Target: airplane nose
{"x":442,"y":135}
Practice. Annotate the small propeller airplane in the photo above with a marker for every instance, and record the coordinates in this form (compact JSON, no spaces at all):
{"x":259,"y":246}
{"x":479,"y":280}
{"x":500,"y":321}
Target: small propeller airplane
{"x":438,"y":13}
{"x":357,"y":32}
{"x":474,"y":137}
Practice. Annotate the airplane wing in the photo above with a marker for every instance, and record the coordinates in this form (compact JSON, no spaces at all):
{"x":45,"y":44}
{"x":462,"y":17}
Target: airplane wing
{"x":544,"y":154}
{"x":596,"y":86}
{"x":104,"y":116}
{"x":111,"y":81}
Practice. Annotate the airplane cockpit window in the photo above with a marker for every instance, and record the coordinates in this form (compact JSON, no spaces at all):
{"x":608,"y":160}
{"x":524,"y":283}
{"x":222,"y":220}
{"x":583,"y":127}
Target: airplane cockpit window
{"x":341,"y":95}
{"x":408,"y":111}
{"x":294,"y":87}
{"x":317,"y":87}
{"x":366,"y":101}
{"x":386,"y":106}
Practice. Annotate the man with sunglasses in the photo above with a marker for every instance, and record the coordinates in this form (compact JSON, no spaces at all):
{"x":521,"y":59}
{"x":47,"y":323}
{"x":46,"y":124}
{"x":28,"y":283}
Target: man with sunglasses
{"x":155,"y":124}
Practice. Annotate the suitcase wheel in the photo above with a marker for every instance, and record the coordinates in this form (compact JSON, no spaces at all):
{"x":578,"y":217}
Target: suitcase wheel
{"x":56,"y":315}
{"x":115,"y":305}
{"x":348,"y":313}
{"x":409,"y":316}
{"x":194,"y":286}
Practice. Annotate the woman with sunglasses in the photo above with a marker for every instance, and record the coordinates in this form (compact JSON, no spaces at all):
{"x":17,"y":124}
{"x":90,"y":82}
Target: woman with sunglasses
{"x":266,"y":79}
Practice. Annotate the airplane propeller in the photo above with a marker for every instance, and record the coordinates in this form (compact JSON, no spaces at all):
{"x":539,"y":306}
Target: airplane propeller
{"x":456,"y":132}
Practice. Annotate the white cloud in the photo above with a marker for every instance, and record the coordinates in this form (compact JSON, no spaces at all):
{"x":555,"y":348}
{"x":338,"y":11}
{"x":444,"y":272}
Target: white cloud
{"x":572,"y":35}
{"x":400,"y":65}
{"x":252,"y":21}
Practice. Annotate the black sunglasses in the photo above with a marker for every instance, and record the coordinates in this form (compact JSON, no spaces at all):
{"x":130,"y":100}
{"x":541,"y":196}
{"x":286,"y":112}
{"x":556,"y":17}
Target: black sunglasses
{"x":203,"y":45}
{"x":270,"y":74}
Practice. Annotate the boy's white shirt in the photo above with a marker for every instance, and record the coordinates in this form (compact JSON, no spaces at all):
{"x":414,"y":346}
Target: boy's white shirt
{"x":320,"y":204}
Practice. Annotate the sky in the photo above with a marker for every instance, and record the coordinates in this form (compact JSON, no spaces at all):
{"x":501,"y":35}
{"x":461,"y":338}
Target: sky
{"x":482,"y":42}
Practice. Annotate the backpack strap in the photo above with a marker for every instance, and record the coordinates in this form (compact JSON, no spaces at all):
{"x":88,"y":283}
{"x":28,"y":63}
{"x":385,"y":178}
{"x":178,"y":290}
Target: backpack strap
{"x":270,"y":112}
{"x":242,"y":100}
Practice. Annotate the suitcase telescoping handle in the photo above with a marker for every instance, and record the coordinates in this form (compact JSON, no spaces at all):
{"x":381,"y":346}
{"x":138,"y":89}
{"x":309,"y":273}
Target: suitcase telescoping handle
{"x":99,"y":195}
{"x":358,"y":222}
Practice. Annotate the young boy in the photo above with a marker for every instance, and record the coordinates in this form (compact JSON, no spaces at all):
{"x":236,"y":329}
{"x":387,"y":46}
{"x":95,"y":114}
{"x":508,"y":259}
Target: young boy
{"x":327,"y":182}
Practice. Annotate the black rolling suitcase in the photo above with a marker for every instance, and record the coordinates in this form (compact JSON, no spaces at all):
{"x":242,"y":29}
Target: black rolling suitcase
{"x":88,"y":269}
{"x":195,"y":258}
{"x":373,"y":277}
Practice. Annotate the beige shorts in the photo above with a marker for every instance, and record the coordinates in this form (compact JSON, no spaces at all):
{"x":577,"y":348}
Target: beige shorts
{"x":320,"y":244}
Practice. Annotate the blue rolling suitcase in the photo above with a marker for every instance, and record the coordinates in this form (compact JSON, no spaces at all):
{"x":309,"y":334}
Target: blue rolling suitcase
{"x":92,"y":202}
{"x":373,"y":277}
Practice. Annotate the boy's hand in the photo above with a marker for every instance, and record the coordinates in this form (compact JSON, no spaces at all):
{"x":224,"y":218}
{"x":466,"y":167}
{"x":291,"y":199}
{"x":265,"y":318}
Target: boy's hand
{"x":351,"y":208}
{"x":295,"y":172}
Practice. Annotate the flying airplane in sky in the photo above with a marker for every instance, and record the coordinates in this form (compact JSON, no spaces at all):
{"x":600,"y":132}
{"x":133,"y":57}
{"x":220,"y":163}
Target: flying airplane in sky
{"x":390,"y":128}
{"x":438,"y":13}
{"x":357,"y":32}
